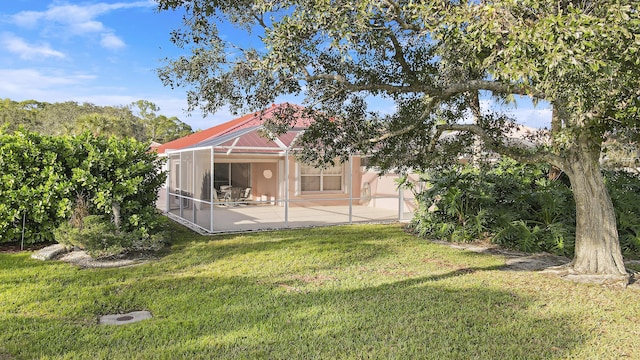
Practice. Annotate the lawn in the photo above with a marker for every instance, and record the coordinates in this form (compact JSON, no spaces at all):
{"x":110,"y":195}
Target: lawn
{"x":348,"y":292}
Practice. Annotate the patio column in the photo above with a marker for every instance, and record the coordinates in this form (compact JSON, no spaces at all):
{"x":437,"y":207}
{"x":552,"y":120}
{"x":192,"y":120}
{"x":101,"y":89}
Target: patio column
{"x":350,"y":174}
{"x":193,"y":187}
{"x":167,"y":184}
{"x":400,"y":203}
{"x":180,"y":200}
{"x":286,"y":188}
{"x":212,"y":206}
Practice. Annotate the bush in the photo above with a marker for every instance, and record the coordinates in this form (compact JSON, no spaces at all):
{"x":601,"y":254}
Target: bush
{"x":41,"y":177}
{"x":100,"y":238}
{"x":516,"y":206}
{"x":624,"y":188}
{"x":33,"y":186}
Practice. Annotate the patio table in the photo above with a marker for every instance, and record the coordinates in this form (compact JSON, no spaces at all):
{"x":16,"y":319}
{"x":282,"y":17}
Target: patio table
{"x":232,"y":193}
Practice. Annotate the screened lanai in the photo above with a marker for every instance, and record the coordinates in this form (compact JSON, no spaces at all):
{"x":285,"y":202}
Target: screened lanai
{"x":243,"y":181}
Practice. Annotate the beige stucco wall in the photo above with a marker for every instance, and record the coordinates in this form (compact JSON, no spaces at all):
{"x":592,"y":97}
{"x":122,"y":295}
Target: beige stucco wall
{"x":264,"y":188}
{"x":384,"y":193}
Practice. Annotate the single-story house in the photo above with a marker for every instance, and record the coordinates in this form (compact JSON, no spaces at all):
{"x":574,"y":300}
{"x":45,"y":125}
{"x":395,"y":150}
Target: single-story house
{"x":229,"y":177}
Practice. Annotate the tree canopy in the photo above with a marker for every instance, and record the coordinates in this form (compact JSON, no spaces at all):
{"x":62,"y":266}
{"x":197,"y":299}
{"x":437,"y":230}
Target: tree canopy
{"x":434,"y":59}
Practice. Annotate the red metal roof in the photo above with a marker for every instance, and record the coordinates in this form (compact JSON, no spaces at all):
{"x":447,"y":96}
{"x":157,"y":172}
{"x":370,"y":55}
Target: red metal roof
{"x":252,"y":142}
{"x":249,"y":120}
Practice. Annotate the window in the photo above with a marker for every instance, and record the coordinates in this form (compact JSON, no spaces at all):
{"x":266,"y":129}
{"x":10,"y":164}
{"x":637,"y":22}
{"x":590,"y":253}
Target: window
{"x":316,"y":179}
{"x":231,"y":174}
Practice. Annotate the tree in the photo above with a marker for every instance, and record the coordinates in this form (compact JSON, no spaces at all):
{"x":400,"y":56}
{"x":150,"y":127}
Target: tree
{"x":432,"y":58}
{"x":159,"y":127}
{"x":166,"y":129}
{"x":60,"y":118}
{"x":70,"y":118}
{"x":15,"y":114}
{"x":110,"y":120}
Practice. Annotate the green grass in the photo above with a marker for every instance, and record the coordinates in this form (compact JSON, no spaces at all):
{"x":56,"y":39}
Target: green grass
{"x":351,"y":292}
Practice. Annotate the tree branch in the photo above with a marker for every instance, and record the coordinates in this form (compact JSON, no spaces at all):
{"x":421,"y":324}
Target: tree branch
{"x":435,"y":92}
{"x":500,"y":148}
{"x":394,"y":7}
{"x":494,"y":86}
{"x":392,"y":134}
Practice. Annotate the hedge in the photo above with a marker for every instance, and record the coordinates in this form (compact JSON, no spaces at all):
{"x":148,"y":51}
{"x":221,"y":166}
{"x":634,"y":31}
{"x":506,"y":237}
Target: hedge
{"x":42,"y":176}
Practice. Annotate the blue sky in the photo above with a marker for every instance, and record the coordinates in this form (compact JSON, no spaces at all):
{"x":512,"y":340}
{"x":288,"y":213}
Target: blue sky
{"x":103,"y":52}
{"x":106,"y":52}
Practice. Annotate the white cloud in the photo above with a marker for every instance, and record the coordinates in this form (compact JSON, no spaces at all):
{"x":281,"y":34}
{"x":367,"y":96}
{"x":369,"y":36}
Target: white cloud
{"x":78,"y":20}
{"x":85,"y":27}
{"x":27,"y":18}
{"x":111,"y":41}
{"x":32,"y":84}
{"x":535,"y":117}
{"x":20,"y":47}
{"x":58,"y":86}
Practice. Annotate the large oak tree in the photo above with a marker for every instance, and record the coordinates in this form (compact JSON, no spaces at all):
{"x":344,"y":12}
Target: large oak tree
{"x":434,"y":59}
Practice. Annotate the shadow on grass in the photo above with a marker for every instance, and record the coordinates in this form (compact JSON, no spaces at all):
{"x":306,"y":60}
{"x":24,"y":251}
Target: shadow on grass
{"x":336,"y":245}
{"x":415,"y":318}
{"x":229,"y":318}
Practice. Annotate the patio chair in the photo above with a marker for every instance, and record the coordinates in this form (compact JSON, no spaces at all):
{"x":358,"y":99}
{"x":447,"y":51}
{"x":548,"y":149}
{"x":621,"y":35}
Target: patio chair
{"x":246,"y":195}
{"x":215,"y":196}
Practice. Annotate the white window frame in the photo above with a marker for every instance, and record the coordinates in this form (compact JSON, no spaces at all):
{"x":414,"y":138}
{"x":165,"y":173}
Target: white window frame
{"x":322,"y":175}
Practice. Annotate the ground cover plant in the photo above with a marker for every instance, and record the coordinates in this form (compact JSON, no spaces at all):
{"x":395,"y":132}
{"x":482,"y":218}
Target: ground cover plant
{"x":347,"y":292}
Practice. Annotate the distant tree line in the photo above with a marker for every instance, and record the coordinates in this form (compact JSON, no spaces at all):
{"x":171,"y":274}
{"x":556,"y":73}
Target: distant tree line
{"x":139,"y":120}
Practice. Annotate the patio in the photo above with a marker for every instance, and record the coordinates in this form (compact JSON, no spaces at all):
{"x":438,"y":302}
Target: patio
{"x":225,"y":218}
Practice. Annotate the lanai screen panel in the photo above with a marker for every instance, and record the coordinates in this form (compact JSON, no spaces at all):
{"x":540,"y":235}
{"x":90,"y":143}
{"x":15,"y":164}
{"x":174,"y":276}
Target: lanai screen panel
{"x":174,"y":171}
{"x":203,"y":192}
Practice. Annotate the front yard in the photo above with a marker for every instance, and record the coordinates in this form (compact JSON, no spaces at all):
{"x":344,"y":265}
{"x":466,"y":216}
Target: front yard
{"x":348,"y":292}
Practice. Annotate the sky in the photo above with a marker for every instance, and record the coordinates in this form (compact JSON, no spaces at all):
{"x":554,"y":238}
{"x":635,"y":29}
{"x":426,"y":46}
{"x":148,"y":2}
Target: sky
{"x":106,"y":52}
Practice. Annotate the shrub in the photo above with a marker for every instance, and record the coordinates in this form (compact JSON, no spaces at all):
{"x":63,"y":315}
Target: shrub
{"x":624,"y":188}
{"x":118,"y":172}
{"x":517,"y":206}
{"x":100,"y":238}
{"x":510,"y":204}
{"x":33,"y":186}
{"x":41,"y":176}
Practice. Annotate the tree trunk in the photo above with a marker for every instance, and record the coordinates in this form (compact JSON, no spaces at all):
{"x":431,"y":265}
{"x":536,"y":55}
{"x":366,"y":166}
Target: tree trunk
{"x":597,"y":249}
{"x":115,"y":209}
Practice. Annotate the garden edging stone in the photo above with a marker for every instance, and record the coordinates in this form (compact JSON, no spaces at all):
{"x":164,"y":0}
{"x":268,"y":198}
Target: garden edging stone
{"x":51,"y":252}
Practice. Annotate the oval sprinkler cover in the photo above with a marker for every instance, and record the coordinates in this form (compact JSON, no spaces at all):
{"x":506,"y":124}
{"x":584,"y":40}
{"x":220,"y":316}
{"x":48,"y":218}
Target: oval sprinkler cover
{"x":121,"y":319}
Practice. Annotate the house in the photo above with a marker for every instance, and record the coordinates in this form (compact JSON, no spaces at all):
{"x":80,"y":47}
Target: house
{"x":230,"y":178}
